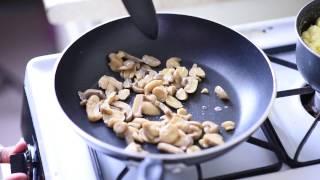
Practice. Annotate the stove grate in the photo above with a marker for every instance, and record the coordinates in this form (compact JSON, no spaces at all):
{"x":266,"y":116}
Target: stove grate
{"x":293,"y":162}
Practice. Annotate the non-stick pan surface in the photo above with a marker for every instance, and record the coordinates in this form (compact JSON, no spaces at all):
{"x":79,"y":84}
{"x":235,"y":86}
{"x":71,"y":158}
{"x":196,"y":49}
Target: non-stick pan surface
{"x":229,"y":60}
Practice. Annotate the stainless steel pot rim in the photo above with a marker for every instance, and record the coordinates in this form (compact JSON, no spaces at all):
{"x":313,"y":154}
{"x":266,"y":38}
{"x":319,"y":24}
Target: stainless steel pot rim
{"x":297,"y":29}
{"x":172,"y":157}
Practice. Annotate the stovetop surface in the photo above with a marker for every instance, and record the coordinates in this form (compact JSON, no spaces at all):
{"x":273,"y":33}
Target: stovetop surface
{"x":66,"y":156}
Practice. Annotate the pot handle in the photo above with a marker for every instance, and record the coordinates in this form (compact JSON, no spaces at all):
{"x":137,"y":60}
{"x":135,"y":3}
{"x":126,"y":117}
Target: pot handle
{"x":150,"y":169}
{"x":143,"y":15}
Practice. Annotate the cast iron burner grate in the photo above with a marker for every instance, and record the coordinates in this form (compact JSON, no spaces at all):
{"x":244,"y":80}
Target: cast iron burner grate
{"x":272,"y":143}
{"x":304,"y":93}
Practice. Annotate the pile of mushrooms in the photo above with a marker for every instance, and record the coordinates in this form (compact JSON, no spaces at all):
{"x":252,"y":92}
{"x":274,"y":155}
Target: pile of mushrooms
{"x":156,"y":93}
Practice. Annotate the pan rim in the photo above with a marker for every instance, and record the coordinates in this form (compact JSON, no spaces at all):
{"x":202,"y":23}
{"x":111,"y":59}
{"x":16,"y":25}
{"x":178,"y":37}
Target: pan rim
{"x":107,"y":148}
{"x":304,"y":8}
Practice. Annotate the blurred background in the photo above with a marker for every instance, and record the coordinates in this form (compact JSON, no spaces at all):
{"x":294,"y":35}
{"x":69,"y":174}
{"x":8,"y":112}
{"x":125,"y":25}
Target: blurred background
{"x":31,"y":28}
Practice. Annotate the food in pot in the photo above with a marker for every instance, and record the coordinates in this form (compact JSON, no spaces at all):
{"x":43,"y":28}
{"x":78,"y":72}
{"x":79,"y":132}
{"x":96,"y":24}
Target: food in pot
{"x":155,"y":93}
{"x":312,"y":36}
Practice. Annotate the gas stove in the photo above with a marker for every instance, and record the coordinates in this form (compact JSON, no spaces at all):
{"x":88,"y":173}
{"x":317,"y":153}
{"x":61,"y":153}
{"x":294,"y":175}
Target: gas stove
{"x":286,"y":141}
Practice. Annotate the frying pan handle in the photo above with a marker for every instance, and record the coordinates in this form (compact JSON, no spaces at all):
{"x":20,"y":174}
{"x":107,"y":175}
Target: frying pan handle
{"x":143,"y":15}
{"x":150,"y":169}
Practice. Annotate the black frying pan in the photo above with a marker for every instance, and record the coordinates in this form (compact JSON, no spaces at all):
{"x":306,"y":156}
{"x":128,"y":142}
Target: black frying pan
{"x":229,"y":59}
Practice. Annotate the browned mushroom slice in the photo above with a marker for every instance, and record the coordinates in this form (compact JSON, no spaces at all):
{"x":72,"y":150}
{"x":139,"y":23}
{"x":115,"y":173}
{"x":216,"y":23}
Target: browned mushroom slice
{"x":209,"y":140}
{"x":165,"y":109}
{"x":173,"y":62}
{"x":152,"y":84}
{"x":160,"y":92}
{"x":124,"y":107}
{"x":150,"y":132}
{"x":89,"y":92}
{"x":210,"y":127}
{"x":123,"y":94}
{"x":169,"y":134}
{"x":151,"y":61}
{"x":115,"y":62}
{"x":184,"y":140}
{"x":92,"y":108}
{"x":221,"y":93}
{"x":150,"y":109}
{"x":169,"y":148}
{"x":129,"y":56}
{"x":192,"y":149}
{"x":137,"y":105}
{"x":127,"y":65}
{"x":192,"y":84}
{"x":173,"y":102}
{"x":196,"y":71}
{"x":104,"y":81}
{"x":134,"y":147}
{"x":120,"y":128}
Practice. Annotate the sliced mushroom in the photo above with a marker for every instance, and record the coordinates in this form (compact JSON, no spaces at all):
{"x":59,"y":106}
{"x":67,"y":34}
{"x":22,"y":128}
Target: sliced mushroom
{"x":171,"y":90}
{"x":134,"y":147}
{"x":182,"y":111}
{"x":92,"y":108}
{"x":105,"y":106}
{"x":136,"y":107}
{"x":135,"y":125}
{"x":152,"y":84}
{"x":128,"y":74}
{"x":150,"y":109}
{"x":192,"y":85}
{"x":181,"y":94}
{"x":205,"y":91}
{"x":192,"y":149}
{"x":127,"y":65}
{"x":123,"y":94}
{"x":209,"y":140}
{"x":120,"y":128}
{"x":173,"y":62}
{"x":109,"y":121}
{"x":139,"y":121}
{"x":173,"y":102}
{"x":165,"y":109}
{"x":151,"y":98}
{"x":110,"y":89}
{"x":161,"y":93}
{"x":194,"y":131}
{"x":169,"y":134}
{"x":167,"y":75}
{"x":137,"y":89}
{"x":150,"y":132}
{"x":182,"y":71}
{"x":151,"y":61}
{"x":132,"y":135}
{"x":184,"y":140}
{"x":128,"y":56}
{"x":104,"y":81}
{"x":89,"y":92}
{"x":141,"y":73}
{"x":115,"y":116}
{"x":196,"y":71}
{"x":221,"y":93}
{"x":142,"y":83}
{"x":115,"y":62}
{"x":210,"y":127}
{"x":125,"y":108}
{"x":228,"y":125}
{"x":127,"y":83}
{"x":169,"y":148}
